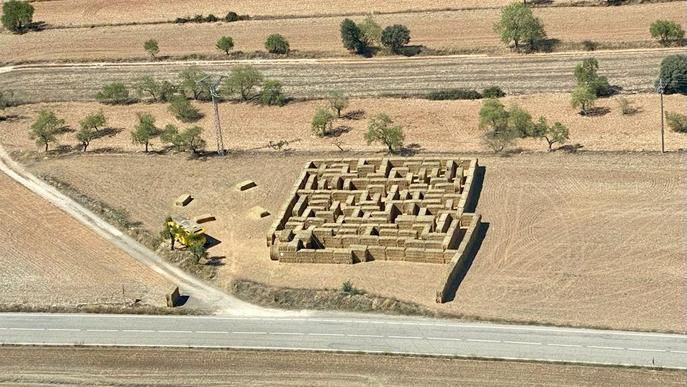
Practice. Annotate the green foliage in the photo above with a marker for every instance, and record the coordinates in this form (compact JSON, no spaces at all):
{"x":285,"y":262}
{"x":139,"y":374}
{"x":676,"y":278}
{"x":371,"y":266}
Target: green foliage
{"x":589,"y":45}
{"x":145,"y":130}
{"x":520,"y":121}
{"x":189,"y":140}
{"x":16,"y":15}
{"x":151,"y":47}
{"x":232,"y":17}
{"x":493,"y":92}
{"x":348,"y":288}
{"x":677,"y":122}
{"x":167,"y":91}
{"x":518,"y":25}
{"x":493,"y":115}
{"x":225,"y":44}
{"x":182,"y":109}
{"x":381,"y":129}
{"x":673,"y":73}
{"x":667,"y":32}
{"x":277,"y":44}
{"x":337,"y":101}
{"x":322,"y":121}
{"x":556,"y":133}
{"x":626,"y":106}
{"x":6,"y":99}
{"x":114,"y":93}
{"x":271,"y":93}
{"x":499,"y":140}
{"x":351,"y":36}
{"x":45,"y":128}
{"x":190,"y":83}
{"x":170,"y":135}
{"x":196,"y":245}
{"x":94,"y":121}
{"x":395,"y":37}
{"x":85,"y":135}
{"x":370,"y":32}
{"x":147,"y":85}
{"x":583,"y":97}
{"x":586,"y":73}
{"x":453,"y":94}
{"x":242,"y":81}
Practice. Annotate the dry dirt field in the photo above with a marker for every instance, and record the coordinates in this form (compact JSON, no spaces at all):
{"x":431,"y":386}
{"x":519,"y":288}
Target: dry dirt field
{"x":104,"y":366}
{"x":585,"y":240}
{"x":437,"y":30}
{"x":50,"y":259}
{"x":88,"y":12}
{"x":426,"y":123}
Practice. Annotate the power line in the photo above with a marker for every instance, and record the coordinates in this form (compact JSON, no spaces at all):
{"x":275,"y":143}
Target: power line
{"x":214,"y":94}
{"x":661,"y":89}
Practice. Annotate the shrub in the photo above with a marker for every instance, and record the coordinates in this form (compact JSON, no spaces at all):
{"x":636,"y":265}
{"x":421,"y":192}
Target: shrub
{"x":589,"y":45}
{"x":586,"y":73}
{"x":348,"y":288}
{"x":667,"y":32}
{"x":677,"y":122}
{"x":113,"y":93}
{"x":673,"y":73}
{"x":225,"y":43}
{"x":277,"y":44}
{"x":337,"y":101}
{"x":231,"y":17}
{"x":519,"y":26}
{"x":271,"y":93}
{"x":6,"y":99}
{"x":16,"y":15}
{"x":626,"y":106}
{"x":151,"y":47}
{"x":493,"y":92}
{"x":211,"y":18}
{"x":498,"y":141}
{"x":322,"y":121}
{"x":583,"y":97}
{"x":395,"y":37}
{"x":452,"y":94}
{"x":381,"y":129}
{"x":183,"y":110}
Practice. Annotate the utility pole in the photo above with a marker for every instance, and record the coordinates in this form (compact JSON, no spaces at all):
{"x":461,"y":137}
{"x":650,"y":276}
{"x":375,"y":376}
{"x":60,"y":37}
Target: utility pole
{"x":214,"y":94}
{"x":661,"y":90}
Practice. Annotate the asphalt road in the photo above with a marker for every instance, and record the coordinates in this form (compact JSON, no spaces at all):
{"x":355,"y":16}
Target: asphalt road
{"x":633,"y":70}
{"x":342,"y":332}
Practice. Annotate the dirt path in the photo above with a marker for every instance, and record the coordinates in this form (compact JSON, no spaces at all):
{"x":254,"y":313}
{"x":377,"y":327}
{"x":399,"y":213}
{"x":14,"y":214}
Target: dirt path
{"x":633,"y":70}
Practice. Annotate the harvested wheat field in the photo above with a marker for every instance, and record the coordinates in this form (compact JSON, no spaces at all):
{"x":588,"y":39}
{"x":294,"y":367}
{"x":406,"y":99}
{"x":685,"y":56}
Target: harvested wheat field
{"x":96,"y":12}
{"x":88,"y":366}
{"x":437,"y":30}
{"x":50,"y":259}
{"x":427,"y":124}
{"x":584,"y":239}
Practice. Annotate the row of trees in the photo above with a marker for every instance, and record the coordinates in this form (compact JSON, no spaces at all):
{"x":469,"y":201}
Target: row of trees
{"x":274,"y":44}
{"x":364,"y":36}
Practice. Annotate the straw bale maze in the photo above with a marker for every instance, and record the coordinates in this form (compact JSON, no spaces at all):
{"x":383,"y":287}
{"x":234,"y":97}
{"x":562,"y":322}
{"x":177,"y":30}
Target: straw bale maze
{"x":349,"y":211}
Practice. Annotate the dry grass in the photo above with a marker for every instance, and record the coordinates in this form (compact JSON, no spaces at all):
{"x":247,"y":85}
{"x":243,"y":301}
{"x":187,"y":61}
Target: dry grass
{"x":451,"y":30}
{"x":572,"y":239}
{"x":113,"y":366}
{"x":426,"y":123}
{"x":50,"y":260}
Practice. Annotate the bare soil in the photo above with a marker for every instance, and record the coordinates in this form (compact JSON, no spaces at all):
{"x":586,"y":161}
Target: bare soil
{"x":110,"y":366}
{"x":50,"y":260}
{"x":430,"y":125}
{"x":457,"y":31}
{"x":583,"y":240}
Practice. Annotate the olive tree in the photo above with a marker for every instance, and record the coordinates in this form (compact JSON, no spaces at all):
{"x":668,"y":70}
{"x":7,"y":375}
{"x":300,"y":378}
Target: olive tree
{"x":16,"y":15}
{"x":370,"y":32}
{"x":145,"y":130}
{"x":114,"y":93}
{"x":494,"y":117}
{"x":337,"y":101}
{"x":225,"y":44}
{"x":277,"y":44}
{"x":395,"y":37}
{"x":151,"y":47}
{"x":381,"y":129}
{"x":351,"y":36}
{"x":271,"y":93}
{"x":322,"y":121}
{"x":94,"y":121}
{"x":242,"y":81}
{"x":517,"y":25}
{"x":583,"y":97}
{"x":190,"y":82}
{"x":552,"y":134}
{"x":666,"y":32}
{"x":586,"y":73}
{"x":45,"y":128}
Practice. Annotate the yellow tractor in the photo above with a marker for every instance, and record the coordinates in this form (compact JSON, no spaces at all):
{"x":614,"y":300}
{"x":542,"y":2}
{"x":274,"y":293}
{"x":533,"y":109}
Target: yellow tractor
{"x":185,"y":230}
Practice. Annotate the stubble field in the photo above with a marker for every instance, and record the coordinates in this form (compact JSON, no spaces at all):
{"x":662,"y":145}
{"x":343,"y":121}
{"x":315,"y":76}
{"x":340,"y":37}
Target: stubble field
{"x":583,"y":240}
{"x":454,"y":31}
{"x":50,"y":259}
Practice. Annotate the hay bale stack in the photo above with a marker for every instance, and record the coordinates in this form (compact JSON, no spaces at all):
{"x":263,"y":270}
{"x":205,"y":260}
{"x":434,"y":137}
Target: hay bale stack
{"x":204,"y":218}
{"x":245,"y":185}
{"x":183,"y":200}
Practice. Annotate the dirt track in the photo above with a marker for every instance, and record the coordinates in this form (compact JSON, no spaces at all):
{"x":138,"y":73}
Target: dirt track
{"x":633,"y":70}
{"x":89,"y":366}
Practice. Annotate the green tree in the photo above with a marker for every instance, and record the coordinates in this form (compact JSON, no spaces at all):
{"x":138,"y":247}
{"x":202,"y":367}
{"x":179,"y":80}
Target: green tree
{"x":93,"y":122}
{"x":193,"y":139}
{"x":271,"y":93}
{"x":167,"y":91}
{"x":151,"y":47}
{"x":583,"y":97}
{"x":147,"y":85}
{"x":242,"y":81}
{"x":277,"y":44}
{"x":493,"y":115}
{"x":225,"y":43}
{"x":677,"y":122}
{"x":556,"y":133}
{"x":45,"y":128}
{"x":182,"y":109}
{"x":145,"y":130}
{"x":520,"y":121}
{"x":351,"y":36}
{"x":382,"y":129}
{"x":673,"y":74}
{"x":16,"y":15}
{"x":337,"y":101}
{"x":587,"y":73}
{"x":190,"y":82}
{"x":322,"y":121}
{"x":170,"y":135}
{"x":667,"y":32}
{"x":518,"y":25}
{"x":196,"y":245}
{"x":85,"y":136}
{"x":370,"y":32}
{"x":113,"y":93}
{"x":395,"y":37}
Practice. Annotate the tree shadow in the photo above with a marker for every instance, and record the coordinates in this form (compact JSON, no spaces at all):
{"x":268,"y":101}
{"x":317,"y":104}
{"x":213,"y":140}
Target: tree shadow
{"x":64,"y":129}
{"x":610,"y":91}
{"x":107,"y":149}
{"x":411,"y":50}
{"x":545,"y":45}
{"x":569,"y":148}
{"x":597,"y":111}
{"x":469,"y":258}
{"x":11,"y":118}
{"x":338,"y":131}
{"x":410,"y":150}
{"x":216,"y":261}
{"x":107,"y":132}
{"x":354,"y":115}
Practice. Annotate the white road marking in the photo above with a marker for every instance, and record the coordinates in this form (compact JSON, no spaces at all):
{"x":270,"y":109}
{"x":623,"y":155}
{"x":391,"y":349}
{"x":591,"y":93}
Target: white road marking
{"x":521,"y":342}
{"x":564,"y":345}
{"x":27,"y":329}
{"x":444,"y":338}
{"x":483,"y":341}
{"x":406,"y":337}
{"x":326,"y":334}
{"x":370,"y":336}
{"x":212,"y":332}
{"x":647,"y":350}
{"x":65,"y":329}
{"x":138,"y":330}
{"x":102,"y":330}
{"x":175,"y":331}
{"x":248,"y":333}
{"x":287,"y":333}
{"x":602,"y":347}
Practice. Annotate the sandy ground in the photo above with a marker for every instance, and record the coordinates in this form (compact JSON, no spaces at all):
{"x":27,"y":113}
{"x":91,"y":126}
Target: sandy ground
{"x":572,"y":239}
{"x":48,"y":258}
{"x":84,"y":366}
{"x":87,"y":12}
{"x":427,"y":123}
{"x":438,"y":30}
